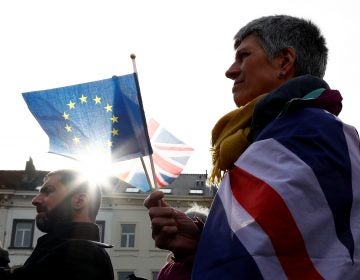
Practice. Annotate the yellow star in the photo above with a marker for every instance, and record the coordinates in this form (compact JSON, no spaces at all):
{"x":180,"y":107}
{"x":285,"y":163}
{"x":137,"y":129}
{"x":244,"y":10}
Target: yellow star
{"x":108,"y":108}
{"x":76,"y":140}
{"x":65,"y":116}
{"x":71,"y":105}
{"x":97,"y":100}
{"x":83,"y":99}
{"x":109,"y":143}
{"x":115,"y":132}
{"x":114,"y":119}
{"x":68,"y":128}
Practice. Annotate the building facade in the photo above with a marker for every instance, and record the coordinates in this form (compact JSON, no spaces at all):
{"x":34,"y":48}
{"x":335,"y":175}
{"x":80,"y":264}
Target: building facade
{"x":122,"y":219}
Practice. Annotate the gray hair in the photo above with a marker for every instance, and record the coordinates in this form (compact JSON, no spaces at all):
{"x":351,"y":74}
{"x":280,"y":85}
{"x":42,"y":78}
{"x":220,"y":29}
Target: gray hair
{"x":281,"y":31}
{"x":197,"y":211}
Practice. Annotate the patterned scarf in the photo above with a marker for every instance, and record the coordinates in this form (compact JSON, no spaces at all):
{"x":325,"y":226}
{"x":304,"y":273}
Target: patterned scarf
{"x":229,"y":139}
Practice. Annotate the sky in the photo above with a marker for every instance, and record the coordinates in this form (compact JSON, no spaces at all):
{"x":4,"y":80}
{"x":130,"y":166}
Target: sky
{"x":182,"y":48}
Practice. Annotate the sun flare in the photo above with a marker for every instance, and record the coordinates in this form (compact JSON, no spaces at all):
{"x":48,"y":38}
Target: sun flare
{"x":96,"y":167}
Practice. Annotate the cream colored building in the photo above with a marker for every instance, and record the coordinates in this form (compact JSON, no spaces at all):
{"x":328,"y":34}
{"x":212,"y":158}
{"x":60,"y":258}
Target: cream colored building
{"x":123,"y":219}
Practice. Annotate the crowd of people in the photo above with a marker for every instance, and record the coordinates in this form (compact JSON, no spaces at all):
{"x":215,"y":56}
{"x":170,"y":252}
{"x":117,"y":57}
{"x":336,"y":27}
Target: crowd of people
{"x":287,"y":170}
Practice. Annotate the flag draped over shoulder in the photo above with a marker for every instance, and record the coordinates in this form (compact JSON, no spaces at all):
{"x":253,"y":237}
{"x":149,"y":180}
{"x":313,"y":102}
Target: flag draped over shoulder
{"x":170,"y":157}
{"x":104,"y":116}
{"x":290,"y":208}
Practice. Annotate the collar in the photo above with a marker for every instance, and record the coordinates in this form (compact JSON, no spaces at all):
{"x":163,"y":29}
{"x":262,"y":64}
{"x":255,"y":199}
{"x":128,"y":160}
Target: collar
{"x":270,"y":107}
{"x":88,"y":231}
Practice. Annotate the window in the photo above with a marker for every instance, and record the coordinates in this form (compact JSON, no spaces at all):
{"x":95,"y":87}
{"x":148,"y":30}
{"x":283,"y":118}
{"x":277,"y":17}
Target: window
{"x":154,"y":275}
{"x":196,"y":191}
{"x":164,"y":190}
{"x":199,"y":183}
{"x":132,"y":190}
{"x":123,"y":275}
{"x":22,"y":234}
{"x":127,"y":236}
{"x":101,"y":225}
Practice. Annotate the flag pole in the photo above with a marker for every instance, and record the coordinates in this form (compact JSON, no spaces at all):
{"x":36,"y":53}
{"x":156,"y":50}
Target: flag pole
{"x":133,"y":56}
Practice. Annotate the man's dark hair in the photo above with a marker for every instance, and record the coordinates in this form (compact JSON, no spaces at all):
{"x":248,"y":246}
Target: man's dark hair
{"x":281,"y":31}
{"x":77,"y":183}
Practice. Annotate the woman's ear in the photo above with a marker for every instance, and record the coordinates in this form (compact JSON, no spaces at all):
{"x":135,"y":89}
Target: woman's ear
{"x":287,"y":63}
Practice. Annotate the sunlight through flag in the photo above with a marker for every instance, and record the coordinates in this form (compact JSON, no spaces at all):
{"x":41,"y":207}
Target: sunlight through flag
{"x":103,"y":118}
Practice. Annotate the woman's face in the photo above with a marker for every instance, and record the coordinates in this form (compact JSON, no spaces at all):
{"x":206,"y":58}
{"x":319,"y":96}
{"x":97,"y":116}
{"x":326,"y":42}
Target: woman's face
{"x":253,"y":72}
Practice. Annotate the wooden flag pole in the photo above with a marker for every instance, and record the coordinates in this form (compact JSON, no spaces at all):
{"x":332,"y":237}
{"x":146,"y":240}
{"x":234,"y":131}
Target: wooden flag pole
{"x":133,"y":56}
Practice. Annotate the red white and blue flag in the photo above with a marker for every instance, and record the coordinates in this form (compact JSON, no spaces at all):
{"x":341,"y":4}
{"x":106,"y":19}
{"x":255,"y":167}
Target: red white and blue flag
{"x":170,"y":156}
{"x":290,"y":208}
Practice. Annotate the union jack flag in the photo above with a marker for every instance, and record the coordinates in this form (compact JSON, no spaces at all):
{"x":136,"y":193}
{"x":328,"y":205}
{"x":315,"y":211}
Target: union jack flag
{"x":170,"y":156}
{"x":290,"y":207}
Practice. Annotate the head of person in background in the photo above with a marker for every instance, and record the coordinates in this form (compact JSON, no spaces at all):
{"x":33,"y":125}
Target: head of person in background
{"x":66,"y":196}
{"x":197,"y":213}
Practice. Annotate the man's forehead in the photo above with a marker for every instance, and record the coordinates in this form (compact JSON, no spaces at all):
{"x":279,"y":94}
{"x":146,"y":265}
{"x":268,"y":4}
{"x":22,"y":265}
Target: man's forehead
{"x":59,"y":179}
{"x":52,"y":180}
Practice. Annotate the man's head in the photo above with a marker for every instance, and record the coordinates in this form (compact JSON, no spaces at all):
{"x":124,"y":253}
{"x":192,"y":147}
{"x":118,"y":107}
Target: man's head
{"x":197,"y":212}
{"x":66,"y":196}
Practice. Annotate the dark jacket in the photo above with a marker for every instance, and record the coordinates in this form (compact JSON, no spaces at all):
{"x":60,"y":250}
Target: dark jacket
{"x":71,"y":252}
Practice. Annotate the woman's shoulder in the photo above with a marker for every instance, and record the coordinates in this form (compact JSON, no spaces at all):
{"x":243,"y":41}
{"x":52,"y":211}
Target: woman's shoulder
{"x":307,"y":122}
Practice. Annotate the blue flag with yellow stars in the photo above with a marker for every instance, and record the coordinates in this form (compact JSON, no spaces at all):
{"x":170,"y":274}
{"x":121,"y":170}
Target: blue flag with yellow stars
{"x":105,"y":117}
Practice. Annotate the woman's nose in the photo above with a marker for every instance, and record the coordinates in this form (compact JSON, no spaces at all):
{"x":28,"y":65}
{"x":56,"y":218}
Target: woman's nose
{"x":233,"y":71}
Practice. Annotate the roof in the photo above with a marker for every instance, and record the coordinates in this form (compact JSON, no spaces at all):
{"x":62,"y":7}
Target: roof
{"x":21,"y":179}
{"x":30,"y":178}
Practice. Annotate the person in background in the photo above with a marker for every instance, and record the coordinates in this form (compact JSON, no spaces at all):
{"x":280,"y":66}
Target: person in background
{"x":179,"y":266}
{"x":287,"y":167}
{"x":66,"y":206}
{"x":4,"y":258}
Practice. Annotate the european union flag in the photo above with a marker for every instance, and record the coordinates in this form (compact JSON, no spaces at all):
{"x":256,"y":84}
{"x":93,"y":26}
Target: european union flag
{"x":104,"y":116}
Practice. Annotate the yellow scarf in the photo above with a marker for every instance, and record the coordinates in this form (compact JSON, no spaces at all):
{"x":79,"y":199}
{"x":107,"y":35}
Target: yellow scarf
{"x":229,"y":139}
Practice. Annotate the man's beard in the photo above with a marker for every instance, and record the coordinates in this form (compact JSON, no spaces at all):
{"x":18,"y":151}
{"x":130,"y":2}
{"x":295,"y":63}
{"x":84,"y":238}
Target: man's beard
{"x":48,"y":220}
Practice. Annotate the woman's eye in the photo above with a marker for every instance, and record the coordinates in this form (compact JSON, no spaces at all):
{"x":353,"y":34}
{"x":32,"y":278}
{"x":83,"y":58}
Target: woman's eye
{"x":243,"y":55}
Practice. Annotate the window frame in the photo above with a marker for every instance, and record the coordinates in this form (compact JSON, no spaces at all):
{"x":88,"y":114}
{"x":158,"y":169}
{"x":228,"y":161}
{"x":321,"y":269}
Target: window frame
{"x":14,"y":231}
{"x":101,"y":223}
{"x":127,"y":272}
{"x":154,"y":274}
{"x":127,"y":236}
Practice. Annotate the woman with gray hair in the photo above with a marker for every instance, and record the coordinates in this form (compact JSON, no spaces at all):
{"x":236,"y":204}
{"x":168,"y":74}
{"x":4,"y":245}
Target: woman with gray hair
{"x":287,"y":168}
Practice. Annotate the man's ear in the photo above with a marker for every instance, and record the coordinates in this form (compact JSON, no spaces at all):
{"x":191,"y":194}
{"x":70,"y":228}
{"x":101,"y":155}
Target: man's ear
{"x":287,"y":58}
{"x":79,"y":200}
